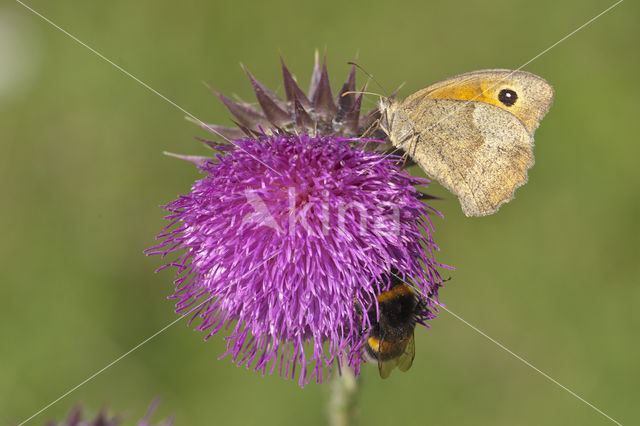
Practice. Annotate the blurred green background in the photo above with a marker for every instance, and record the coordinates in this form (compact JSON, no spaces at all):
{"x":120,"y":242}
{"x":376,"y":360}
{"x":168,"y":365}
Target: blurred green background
{"x":553,"y":276}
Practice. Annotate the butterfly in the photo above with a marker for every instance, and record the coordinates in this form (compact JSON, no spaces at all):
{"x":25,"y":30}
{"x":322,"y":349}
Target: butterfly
{"x":473,"y":133}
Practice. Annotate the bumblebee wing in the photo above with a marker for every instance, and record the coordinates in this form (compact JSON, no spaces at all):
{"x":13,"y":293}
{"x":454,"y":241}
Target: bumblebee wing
{"x":406,"y":359}
{"x":403,"y":362}
{"x":385,"y":367}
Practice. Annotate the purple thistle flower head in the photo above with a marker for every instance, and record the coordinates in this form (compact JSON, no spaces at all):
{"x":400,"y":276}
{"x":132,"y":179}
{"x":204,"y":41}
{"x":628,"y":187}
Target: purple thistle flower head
{"x":76,"y":418}
{"x":285,"y":243}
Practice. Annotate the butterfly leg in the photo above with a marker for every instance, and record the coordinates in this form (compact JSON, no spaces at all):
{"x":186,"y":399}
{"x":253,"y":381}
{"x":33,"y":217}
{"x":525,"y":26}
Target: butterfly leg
{"x":411,"y":150}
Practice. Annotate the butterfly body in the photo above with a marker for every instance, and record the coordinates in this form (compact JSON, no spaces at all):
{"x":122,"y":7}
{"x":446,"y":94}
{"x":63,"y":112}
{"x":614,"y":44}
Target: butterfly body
{"x":473,"y":133}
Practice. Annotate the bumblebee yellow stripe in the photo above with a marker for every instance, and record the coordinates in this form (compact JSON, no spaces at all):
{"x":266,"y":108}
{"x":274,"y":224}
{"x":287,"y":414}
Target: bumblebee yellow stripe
{"x":399,"y":290}
{"x":374,"y":344}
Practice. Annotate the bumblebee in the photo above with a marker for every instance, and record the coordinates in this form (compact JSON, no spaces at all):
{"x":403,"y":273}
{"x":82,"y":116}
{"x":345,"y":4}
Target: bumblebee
{"x":390,"y":341}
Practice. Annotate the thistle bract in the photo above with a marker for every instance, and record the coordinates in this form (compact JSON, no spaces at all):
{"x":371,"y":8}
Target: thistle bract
{"x":284,"y":242}
{"x":317,"y":112}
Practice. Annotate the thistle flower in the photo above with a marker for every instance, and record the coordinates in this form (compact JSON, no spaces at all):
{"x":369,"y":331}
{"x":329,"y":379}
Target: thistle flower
{"x":75,"y":418}
{"x":288,"y":238}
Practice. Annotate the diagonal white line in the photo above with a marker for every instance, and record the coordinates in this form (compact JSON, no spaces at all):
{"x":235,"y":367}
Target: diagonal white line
{"x":527,"y":363}
{"x":569,"y":35}
{"x":142,"y":83}
{"x":103,"y":368}
{"x":518,"y":357}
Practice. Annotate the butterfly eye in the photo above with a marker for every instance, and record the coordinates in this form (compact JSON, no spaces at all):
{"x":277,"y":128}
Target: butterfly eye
{"x":507,"y":97}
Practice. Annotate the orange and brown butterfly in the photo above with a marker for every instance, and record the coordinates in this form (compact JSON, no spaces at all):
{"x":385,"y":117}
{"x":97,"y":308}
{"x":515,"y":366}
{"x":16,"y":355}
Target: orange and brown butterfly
{"x":390,"y":341}
{"x":473,"y":133}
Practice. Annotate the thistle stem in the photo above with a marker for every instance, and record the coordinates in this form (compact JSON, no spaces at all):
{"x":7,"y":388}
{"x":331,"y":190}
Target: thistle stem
{"x":343,"y":399}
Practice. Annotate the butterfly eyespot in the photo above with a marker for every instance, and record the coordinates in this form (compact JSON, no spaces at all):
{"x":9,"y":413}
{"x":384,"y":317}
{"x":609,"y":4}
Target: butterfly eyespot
{"x":507,"y":97}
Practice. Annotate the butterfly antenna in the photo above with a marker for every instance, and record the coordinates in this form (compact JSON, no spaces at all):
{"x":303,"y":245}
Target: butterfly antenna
{"x":368,"y":75}
{"x":357,"y":92}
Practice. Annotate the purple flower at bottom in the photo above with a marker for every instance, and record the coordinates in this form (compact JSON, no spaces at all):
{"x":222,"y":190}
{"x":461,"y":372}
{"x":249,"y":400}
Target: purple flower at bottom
{"x":76,"y":418}
{"x":287,"y":240}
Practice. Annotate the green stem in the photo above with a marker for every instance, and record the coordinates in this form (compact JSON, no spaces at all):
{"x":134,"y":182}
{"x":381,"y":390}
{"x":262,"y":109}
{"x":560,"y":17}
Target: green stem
{"x":343,"y":399}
